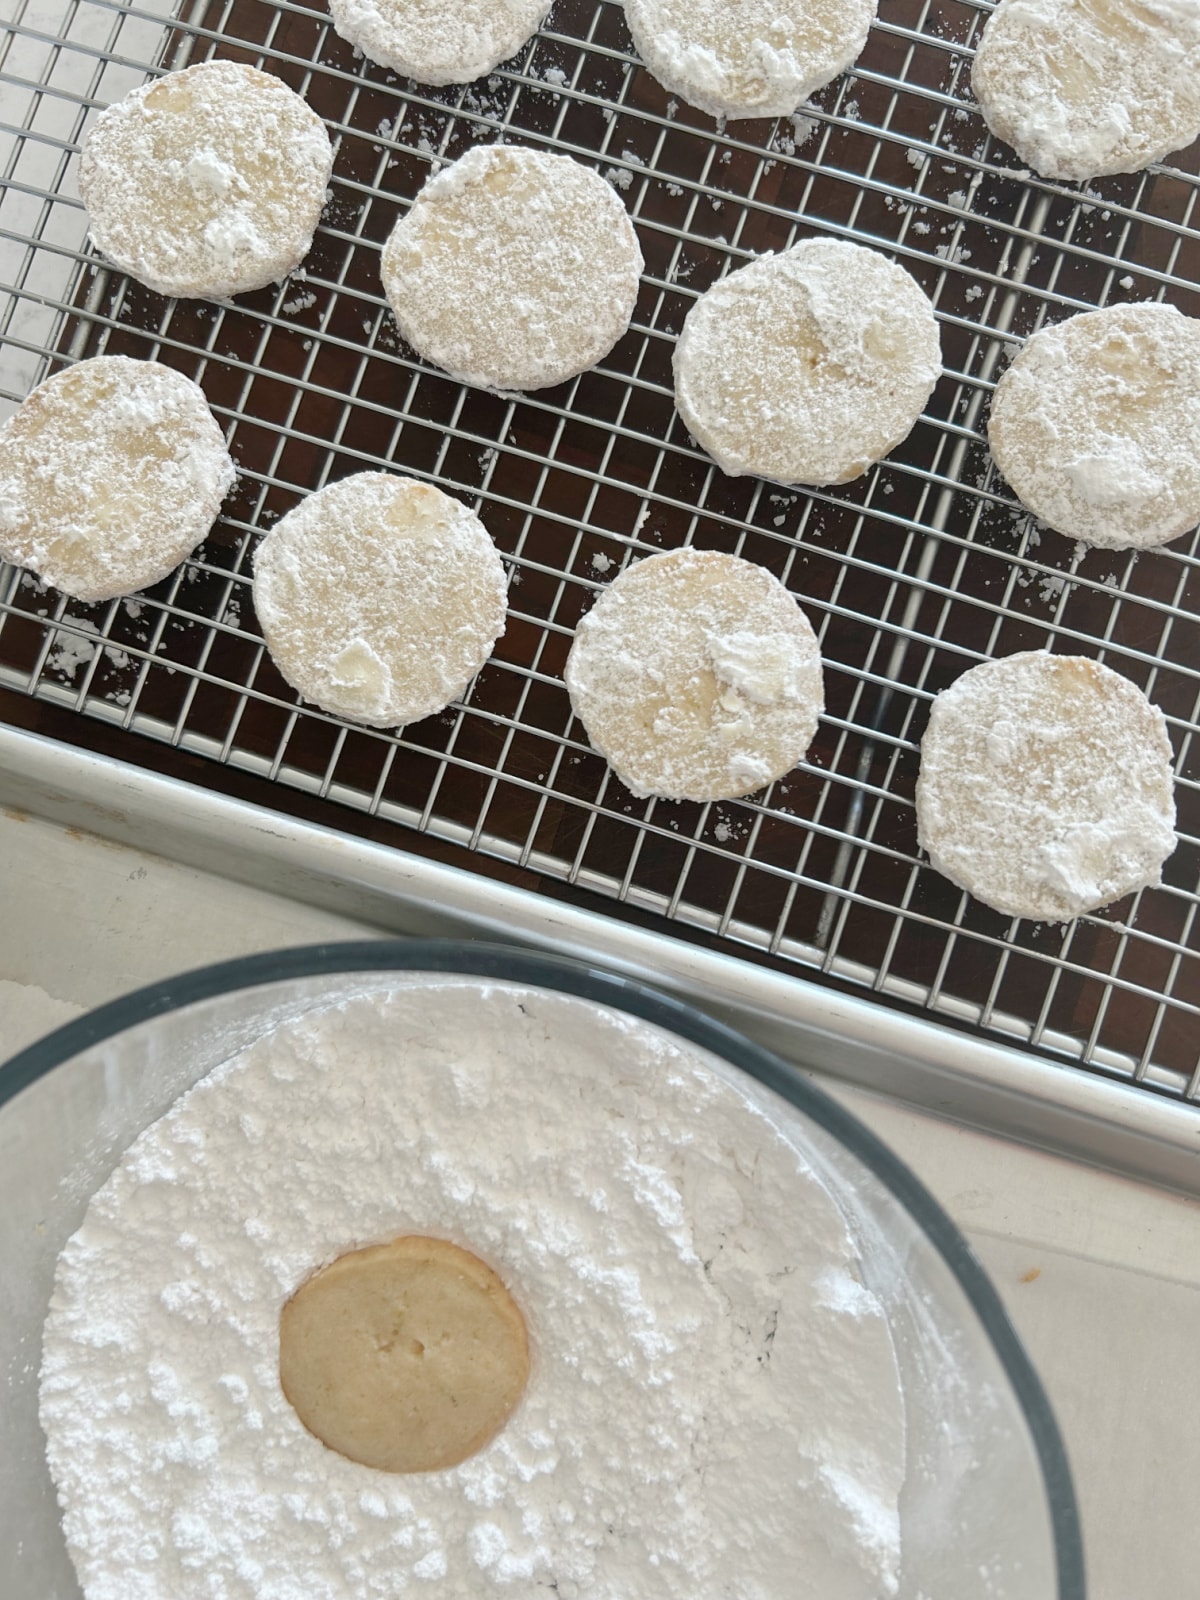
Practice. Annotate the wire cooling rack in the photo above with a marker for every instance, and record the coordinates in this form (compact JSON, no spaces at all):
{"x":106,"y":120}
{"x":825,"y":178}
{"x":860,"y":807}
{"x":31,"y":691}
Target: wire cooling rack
{"x":911,"y":575}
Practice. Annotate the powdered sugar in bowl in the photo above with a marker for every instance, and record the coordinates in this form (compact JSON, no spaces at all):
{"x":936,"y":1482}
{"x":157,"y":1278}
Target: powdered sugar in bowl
{"x":763,"y":1363}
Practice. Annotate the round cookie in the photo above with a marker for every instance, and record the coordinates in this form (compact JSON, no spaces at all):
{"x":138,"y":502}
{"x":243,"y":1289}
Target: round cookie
{"x":111,"y":473}
{"x":808,"y":366}
{"x":1082,"y":88}
{"x":1045,"y":787}
{"x":697,"y":676}
{"x":748,"y":58}
{"x":1096,"y":425}
{"x":207,"y":182}
{"x":513,"y":269}
{"x":406,"y":1357}
{"x":379,"y":598}
{"x":438,"y":41}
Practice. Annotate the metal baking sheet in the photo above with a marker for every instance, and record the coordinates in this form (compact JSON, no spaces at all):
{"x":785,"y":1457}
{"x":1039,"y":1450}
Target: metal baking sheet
{"x":911,"y":574}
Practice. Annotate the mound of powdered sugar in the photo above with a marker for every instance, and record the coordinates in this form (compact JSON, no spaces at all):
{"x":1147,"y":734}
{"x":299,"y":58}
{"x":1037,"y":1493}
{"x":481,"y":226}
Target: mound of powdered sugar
{"x":1045,"y":786}
{"x":714,"y":1404}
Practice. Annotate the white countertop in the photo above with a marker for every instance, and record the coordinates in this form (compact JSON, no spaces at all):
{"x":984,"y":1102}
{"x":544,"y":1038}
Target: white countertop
{"x":1100,"y":1275}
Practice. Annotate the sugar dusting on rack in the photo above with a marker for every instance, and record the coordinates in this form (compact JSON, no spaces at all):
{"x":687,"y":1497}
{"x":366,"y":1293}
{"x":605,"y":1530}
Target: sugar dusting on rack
{"x":918,"y":570}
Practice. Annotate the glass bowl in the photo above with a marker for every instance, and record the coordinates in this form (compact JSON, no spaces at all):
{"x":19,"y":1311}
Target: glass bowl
{"x":988,"y":1510}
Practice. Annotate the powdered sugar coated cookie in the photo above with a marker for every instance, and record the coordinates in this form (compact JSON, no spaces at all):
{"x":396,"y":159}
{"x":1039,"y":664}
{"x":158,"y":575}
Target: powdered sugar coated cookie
{"x":438,"y":41}
{"x":379,"y":598}
{"x":111,"y":473}
{"x":1096,"y":425}
{"x":1081,"y":88}
{"x":748,"y":58}
{"x":697,"y":676}
{"x":513,"y":269}
{"x":1045,"y":787}
{"x":208,"y":182}
{"x":808,"y":366}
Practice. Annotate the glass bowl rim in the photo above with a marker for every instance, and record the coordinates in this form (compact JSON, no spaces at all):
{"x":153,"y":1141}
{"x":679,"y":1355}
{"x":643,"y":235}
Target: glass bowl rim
{"x":586,"y":980}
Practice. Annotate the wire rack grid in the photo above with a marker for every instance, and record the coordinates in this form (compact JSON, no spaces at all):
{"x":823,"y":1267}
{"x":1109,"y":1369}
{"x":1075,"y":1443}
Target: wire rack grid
{"x":915,"y":572}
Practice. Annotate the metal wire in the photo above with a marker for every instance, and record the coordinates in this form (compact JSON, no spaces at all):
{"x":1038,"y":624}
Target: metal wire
{"x":912,"y":574}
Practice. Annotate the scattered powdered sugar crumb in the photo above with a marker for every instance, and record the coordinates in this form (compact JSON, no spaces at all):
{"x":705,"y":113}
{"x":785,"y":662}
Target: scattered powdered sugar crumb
{"x":1053,"y":586}
{"x":803,"y":128}
{"x":601,"y":562}
{"x":70,"y":649}
{"x":301,"y":302}
{"x":645,"y":1215}
{"x":731,"y":830}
